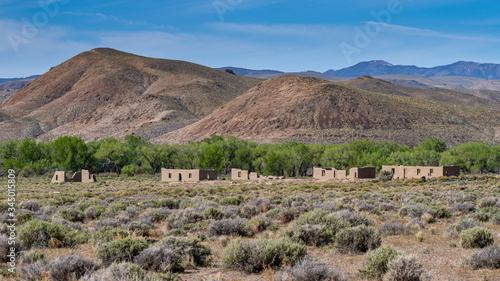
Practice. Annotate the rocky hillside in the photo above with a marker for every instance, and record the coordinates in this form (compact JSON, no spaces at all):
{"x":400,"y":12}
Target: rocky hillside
{"x":470,"y":98}
{"x":108,"y":93}
{"x":311,"y":110}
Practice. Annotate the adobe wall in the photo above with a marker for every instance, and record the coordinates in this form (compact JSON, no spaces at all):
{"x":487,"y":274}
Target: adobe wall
{"x":59,"y":177}
{"x":77,"y":177}
{"x":449,"y":171}
{"x":362,"y":173}
{"x":323,"y":173}
{"x":207,"y":175}
{"x":253,"y":176}
{"x":238,"y":174}
{"x":407,"y":172}
{"x":340,"y":174}
{"x":173,"y":175}
{"x":86,"y":176}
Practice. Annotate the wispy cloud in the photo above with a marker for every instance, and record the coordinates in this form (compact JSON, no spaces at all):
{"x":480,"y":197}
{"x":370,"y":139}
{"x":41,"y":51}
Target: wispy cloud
{"x":408,"y":30}
{"x":280,"y":30}
{"x":105,"y":17}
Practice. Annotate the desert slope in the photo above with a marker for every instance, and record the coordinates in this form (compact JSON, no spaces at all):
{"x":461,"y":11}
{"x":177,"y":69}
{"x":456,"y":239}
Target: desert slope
{"x":105,"y":92}
{"x":435,"y":94}
{"x":311,"y":110}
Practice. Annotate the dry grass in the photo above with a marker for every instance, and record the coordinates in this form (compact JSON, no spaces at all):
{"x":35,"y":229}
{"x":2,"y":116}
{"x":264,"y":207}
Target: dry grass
{"x":442,"y":257}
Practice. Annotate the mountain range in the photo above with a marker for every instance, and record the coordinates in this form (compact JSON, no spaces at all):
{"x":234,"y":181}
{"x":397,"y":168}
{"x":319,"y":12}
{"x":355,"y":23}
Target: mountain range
{"x":107,"y":93}
{"x":466,"y":75}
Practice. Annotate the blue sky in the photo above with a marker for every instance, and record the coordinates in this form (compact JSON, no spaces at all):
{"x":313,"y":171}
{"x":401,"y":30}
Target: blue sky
{"x":258,"y":34}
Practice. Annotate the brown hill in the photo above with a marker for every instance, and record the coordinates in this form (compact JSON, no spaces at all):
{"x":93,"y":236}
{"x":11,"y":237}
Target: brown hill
{"x":311,"y":110}
{"x":108,"y":93}
{"x":469,"y":98}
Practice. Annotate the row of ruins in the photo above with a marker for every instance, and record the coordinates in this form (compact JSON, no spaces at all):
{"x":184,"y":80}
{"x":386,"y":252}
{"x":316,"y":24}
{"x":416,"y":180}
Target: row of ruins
{"x":195,"y":175}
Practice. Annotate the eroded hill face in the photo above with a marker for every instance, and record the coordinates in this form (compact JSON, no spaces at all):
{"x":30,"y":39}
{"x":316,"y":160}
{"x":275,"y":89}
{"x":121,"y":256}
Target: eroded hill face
{"x":291,"y":108}
{"x":107,"y":93}
{"x":458,"y":97}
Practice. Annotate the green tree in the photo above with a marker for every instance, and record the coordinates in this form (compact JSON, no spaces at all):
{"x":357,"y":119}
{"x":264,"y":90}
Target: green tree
{"x":115,"y":151}
{"x":71,"y":153}
{"x":433,"y":144}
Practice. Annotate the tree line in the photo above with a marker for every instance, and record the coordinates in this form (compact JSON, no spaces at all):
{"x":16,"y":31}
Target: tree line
{"x":134,"y":155}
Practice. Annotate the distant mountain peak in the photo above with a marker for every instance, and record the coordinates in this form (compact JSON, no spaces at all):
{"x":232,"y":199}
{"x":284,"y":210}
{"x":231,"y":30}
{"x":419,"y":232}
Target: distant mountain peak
{"x":461,"y":68}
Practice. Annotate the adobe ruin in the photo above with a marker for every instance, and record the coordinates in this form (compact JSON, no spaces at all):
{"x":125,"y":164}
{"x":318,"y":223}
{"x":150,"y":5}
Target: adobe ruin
{"x":238,"y":174}
{"x":334,"y":174}
{"x":412,"y":172}
{"x":173,"y":175}
{"x":80,"y":176}
{"x":59,"y":177}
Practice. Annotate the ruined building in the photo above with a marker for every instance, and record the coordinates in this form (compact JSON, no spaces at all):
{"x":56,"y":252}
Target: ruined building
{"x":237,"y":174}
{"x":334,"y":174}
{"x":171,"y":175}
{"x":407,"y":172}
{"x":80,"y":176}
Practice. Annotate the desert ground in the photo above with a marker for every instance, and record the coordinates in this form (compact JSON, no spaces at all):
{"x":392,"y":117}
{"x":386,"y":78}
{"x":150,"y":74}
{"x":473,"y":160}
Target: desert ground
{"x":412,"y":217}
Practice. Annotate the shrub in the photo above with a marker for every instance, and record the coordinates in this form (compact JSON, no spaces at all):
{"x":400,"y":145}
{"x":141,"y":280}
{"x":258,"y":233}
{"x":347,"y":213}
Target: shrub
{"x":488,"y":202}
{"x":385,"y":175}
{"x":440,"y":212}
{"x":231,"y":201}
{"x":476,"y":237}
{"x":25,"y":217}
{"x":353,"y":217}
{"x":229,"y":227}
{"x":212,"y":213}
{"x":118,"y":272}
{"x":427,"y":218}
{"x":365,"y":207}
{"x":258,"y":224}
{"x":120,"y":250}
{"x":138,"y":228}
{"x":4,"y":206}
{"x":273,"y":213}
{"x":318,"y":227}
{"x":288,"y":214}
{"x":108,"y":234}
{"x":169,"y":203}
{"x":71,"y":267}
{"x":496,"y":219}
{"x":160,"y":259}
{"x":5,"y":248}
{"x":463,"y":208}
{"x":481,"y":216}
{"x":405,"y":268}
{"x":376,"y":261}
{"x":393,"y":228}
{"x":254,"y":256}
{"x":357,"y":239}
{"x":190,"y":249}
{"x":94,"y":212}
{"x":31,"y":205}
{"x":413,"y":210}
{"x":488,"y":257}
{"x":72,"y":214}
{"x":248,"y":211}
{"x":34,"y":271}
{"x":155,"y":216}
{"x":464,"y":223}
{"x":38,"y":233}
{"x":307,"y":270}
